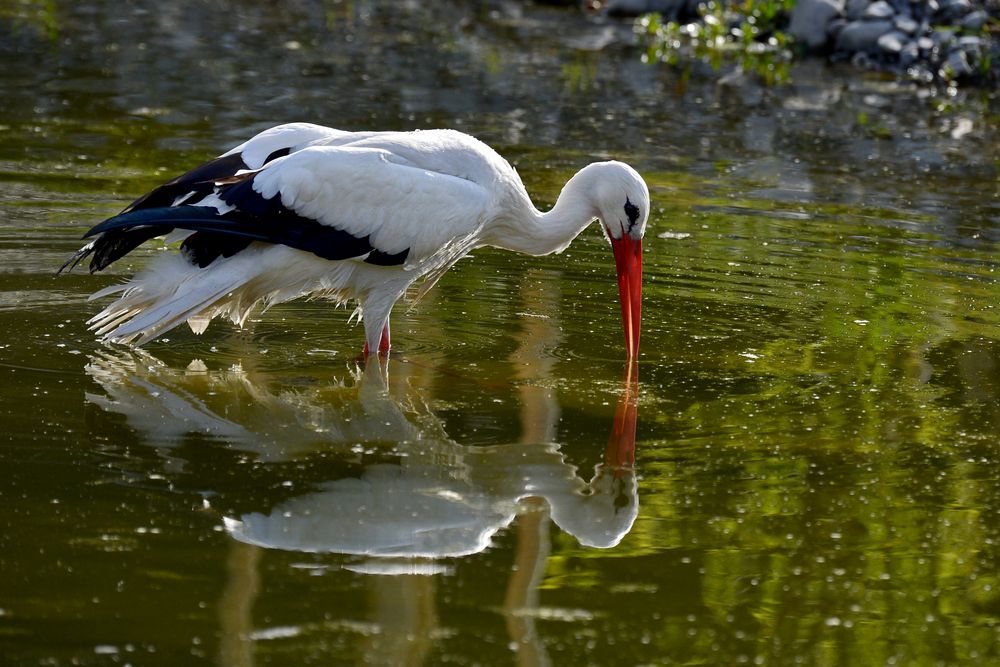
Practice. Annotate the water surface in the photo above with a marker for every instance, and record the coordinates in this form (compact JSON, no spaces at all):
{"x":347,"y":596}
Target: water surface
{"x":812,"y":477}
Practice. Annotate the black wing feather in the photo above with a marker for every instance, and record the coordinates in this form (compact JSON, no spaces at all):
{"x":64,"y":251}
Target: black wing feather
{"x":285,"y":228}
{"x":203,"y":248}
{"x":198,"y":183}
{"x":255,"y":218}
{"x":200,"y":180}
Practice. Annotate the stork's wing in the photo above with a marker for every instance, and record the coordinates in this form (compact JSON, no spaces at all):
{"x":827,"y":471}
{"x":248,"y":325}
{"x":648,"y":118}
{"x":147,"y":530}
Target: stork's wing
{"x":396,"y":203}
{"x":338,"y":202}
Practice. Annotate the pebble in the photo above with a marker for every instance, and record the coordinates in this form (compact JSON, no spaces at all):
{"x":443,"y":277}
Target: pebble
{"x":879,"y":11}
{"x":834,"y":27}
{"x":906,"y":24}
{"x":975,"y":20}
{"x":972,"y":46}
{"x":958,"y":64}
{"x":942,"y":38}
{"x":892,"y":42}
{"x":810,"y":19}
{"x":855,"y":9}
{"x":862,"y":35}
{"x":954,"y":8}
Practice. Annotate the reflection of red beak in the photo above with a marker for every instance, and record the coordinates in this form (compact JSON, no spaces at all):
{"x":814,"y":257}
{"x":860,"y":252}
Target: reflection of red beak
{"x":620,"y":452}
{"x":628,"y":261}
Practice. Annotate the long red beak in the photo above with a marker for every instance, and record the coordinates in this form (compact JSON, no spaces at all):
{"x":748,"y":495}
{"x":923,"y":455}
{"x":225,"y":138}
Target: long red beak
{"x":628,"y":261}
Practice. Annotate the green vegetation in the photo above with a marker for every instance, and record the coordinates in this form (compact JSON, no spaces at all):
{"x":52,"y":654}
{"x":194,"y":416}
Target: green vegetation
{"x":752,"y":35}
{"x":749,"y":35}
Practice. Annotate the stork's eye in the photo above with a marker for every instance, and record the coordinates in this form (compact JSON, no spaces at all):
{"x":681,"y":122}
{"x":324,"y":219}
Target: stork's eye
{"x":631,"y":212}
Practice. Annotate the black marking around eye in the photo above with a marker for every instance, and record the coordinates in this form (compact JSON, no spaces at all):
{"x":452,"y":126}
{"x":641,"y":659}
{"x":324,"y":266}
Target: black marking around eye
{"x":632,"y":212}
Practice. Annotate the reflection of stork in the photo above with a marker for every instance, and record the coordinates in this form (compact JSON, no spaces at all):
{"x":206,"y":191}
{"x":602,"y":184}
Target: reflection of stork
{"x":436,"y":499}
{"x":423,"y":499}
{"x":302,"y":209}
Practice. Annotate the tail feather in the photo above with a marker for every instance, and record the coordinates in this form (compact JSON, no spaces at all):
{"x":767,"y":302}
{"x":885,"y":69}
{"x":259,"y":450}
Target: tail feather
{"x":172,"y":290}
{"x":108,"y":291}
{"x":167,"y":295}
{"x":102,"y":326}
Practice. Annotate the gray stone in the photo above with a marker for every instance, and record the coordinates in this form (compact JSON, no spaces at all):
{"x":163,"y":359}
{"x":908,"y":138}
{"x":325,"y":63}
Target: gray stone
{"x":942,"y":38}
{"x":973,"y":47}
{"x":958,"y":64}
{"x":893,"y":42}
{"x":925,"y":44}
{"x":862,"y":35}
{"x":909,"y":55}
{"x":975,"y":20}
{"x":810,"y":19}
{"x":907,"y":25}
{"x":834,"y":27}
{"x":855,"y":8}
{"x":878,"y":11}
{"x":952,"y":9}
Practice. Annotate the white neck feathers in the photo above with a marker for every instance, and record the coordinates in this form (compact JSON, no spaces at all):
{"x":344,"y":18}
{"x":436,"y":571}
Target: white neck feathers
{"x":536,"y":233}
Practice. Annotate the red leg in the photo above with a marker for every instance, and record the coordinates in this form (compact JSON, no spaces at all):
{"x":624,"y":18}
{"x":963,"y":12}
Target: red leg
{"x":383,"y":345}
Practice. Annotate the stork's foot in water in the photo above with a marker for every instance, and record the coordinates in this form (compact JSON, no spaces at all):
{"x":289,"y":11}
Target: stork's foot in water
{"x":383,"y":345}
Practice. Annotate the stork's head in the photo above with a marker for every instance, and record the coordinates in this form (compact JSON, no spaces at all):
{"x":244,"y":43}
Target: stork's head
{"x":622,"y":200}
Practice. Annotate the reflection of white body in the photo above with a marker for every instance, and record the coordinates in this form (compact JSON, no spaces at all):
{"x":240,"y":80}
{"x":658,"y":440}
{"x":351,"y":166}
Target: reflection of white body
{"x":441,"y":500}
{"x":440,"y":510}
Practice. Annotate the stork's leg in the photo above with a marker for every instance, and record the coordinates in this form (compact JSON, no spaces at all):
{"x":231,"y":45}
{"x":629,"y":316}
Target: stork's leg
{"x":383,"y":345}
{"x":377,"y":309}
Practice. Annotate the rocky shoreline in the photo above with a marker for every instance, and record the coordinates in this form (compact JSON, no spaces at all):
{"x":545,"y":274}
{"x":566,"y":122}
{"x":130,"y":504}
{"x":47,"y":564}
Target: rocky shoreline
{"x":933,"y":42}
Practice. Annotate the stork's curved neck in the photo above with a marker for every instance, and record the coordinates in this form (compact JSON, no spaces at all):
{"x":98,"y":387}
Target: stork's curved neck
{"x":537,"y":233}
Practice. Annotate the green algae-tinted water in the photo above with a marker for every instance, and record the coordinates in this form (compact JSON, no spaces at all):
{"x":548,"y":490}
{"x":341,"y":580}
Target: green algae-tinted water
{"x":816,"y":477}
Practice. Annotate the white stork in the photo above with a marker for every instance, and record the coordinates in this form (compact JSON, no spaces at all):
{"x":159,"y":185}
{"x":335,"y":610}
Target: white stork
{"x":304,"y":209}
